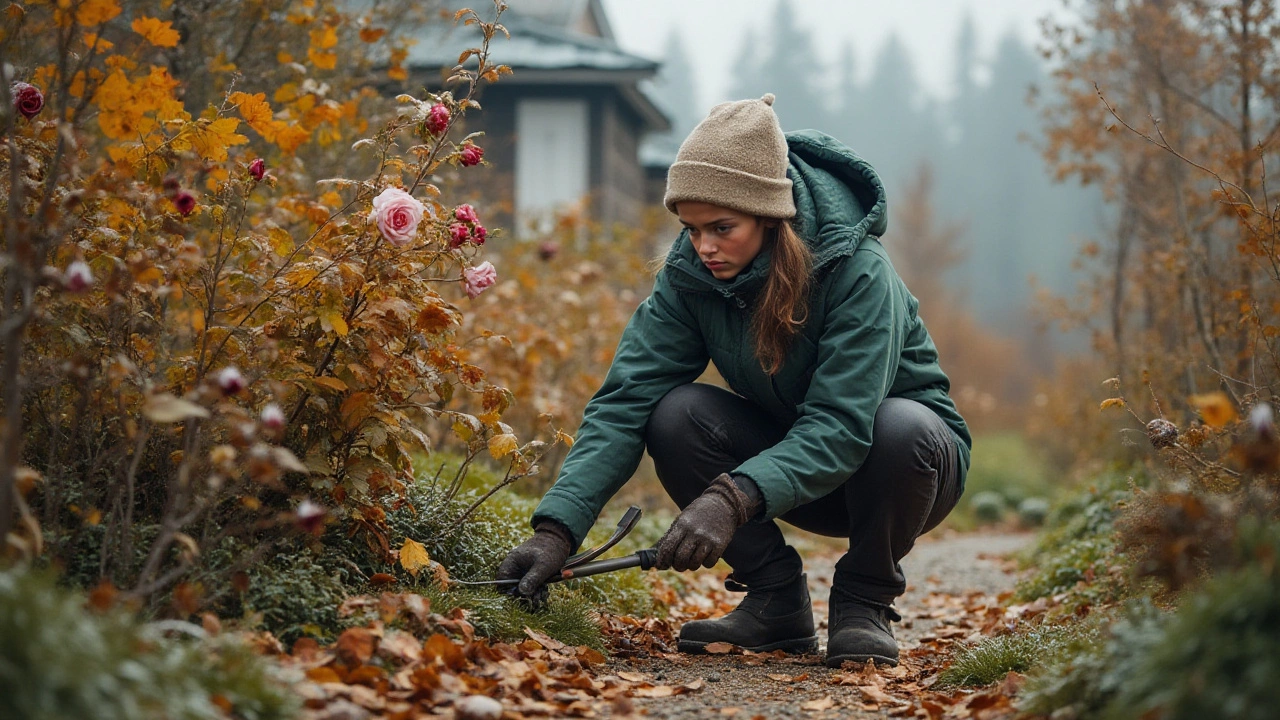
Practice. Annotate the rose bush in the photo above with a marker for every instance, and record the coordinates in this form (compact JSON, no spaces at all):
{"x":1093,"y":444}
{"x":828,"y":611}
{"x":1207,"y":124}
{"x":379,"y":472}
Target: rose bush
{"x":194,"y":352}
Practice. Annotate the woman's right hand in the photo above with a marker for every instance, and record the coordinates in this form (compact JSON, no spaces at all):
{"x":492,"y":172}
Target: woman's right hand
{"x":537,"y":559}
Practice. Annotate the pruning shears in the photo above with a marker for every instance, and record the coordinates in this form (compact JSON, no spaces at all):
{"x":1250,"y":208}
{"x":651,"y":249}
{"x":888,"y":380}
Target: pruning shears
{"x":584,"y":564}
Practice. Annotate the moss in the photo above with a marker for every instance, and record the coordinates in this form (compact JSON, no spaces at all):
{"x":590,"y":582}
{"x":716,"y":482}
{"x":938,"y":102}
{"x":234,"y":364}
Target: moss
{"x":61,"y":661}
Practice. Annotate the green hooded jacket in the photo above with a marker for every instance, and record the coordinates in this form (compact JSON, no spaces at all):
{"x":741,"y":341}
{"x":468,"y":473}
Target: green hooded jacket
{"x":863,"y":342}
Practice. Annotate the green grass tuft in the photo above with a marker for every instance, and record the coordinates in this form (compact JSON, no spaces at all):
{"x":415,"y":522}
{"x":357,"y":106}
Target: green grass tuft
{"x":993,"y":658}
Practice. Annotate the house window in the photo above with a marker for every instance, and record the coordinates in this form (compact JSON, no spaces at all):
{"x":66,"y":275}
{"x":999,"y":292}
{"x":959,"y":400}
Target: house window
{"x":552,"y":144}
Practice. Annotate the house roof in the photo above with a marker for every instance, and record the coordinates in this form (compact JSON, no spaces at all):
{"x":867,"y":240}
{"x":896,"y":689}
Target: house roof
{"x":538,"y":42}
{"x":553,"y":42}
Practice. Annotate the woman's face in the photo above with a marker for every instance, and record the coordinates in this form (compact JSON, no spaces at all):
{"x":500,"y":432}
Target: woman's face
{"x":726,"y":240}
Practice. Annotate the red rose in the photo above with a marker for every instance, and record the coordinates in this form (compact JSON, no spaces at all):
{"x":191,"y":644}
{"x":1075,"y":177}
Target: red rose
{"x":257,"y":169}
{"x":230,"y":381}
{"x":78,"y":277}
{"x":185,"y":202}
{"x":479,"y":234}
{"x":466,"y":214}
{"x":27,"y":99}
{"x":438,"y":119}
{"x":471,"y":154}
{"x":458,"y":234}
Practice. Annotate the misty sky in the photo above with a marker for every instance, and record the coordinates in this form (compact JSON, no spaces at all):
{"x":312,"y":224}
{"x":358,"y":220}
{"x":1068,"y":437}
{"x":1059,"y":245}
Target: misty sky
{"x":712,"y":31}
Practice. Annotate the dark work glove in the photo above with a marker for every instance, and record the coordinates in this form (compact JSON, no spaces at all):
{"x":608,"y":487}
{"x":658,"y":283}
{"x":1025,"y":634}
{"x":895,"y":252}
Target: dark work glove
{"x":537,"y":559}
{"x":704,"y":528}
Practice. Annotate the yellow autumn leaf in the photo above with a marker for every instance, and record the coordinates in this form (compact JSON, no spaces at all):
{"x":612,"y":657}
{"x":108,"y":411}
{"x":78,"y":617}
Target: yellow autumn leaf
{"x":502,"y":445}
{"x":1215,"y":408}
{"x":211,"y":140}
{"x":1111,"y":402}
{"x":413,"y":556}
{"x":156,"y":31}
{"x":96,"y":12}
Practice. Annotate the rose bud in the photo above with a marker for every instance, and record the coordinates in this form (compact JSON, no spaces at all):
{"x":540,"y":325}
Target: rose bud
{"x":257,"y":169}
{"x":78,"y":277}
{"x":230,"y":381}
{"x":466,"y":213}
{"x":185,"y":202}
{"x":27,"y":99}
{"x":458,"y":234}
{"x":479,"y":234}
{"x":397,"y":214}
{"x":438,"y":119}
{"x":548,"y":249}
{"x":471,"y":154}
{"x":272,"y":417}
{"x":1162,"y":433}
{"x":310,"y":517}
{"x":475,"y":280}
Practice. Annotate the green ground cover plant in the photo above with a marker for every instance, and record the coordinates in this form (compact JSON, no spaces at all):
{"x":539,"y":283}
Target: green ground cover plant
{"x":62,"y":660}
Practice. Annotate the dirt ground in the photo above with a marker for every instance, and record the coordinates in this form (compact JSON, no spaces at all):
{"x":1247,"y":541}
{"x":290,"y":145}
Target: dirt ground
{"x":948,"y":576}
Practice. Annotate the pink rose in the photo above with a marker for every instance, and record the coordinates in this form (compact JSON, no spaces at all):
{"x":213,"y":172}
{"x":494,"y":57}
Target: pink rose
{"x":479,"y":233}
{"x":78,"y":277}
{"x":466,"y":213}
{"x":477,"y":279}
{"x":397,"y":214}
{"x":185,"y":202}
{"x":257,"y":169}
{"x":438,"y":119}
{"x":27,"y":99}
{"x":458,"y":234}
{"x":471,"y":154}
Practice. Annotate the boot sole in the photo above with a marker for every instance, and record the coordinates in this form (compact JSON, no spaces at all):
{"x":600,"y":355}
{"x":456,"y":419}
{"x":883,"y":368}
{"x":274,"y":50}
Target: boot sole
{"x":838,"y":660}
{"x":792,"y":645}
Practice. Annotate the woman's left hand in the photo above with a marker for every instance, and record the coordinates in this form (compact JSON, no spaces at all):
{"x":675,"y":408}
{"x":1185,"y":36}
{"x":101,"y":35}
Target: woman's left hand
{"x":704,"y":528}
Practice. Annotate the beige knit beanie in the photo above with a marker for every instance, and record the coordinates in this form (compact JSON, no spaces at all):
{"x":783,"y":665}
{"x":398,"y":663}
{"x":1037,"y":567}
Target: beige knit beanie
{"x":736,"y":158}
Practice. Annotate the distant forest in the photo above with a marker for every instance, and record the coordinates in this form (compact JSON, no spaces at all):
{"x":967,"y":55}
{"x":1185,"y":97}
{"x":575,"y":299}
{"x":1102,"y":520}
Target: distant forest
{"x":981,"y":148}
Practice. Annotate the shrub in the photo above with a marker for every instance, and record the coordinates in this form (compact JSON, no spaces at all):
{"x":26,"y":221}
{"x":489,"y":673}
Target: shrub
{"x":1076,"y":552}
{"x":230,"y":308}
{"x":988,"y":506}
{"x":58,"y":660}
{"x":1033,"y":511}
{"x":1217,"y":656}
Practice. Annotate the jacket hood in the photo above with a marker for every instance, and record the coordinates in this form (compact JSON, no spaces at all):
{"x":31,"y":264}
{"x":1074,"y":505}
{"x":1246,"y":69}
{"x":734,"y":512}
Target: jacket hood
{"x":840,"y":200}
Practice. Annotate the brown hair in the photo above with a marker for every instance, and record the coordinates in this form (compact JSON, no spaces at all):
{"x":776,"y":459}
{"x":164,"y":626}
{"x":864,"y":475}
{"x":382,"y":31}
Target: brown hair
{"x":783,"y":306}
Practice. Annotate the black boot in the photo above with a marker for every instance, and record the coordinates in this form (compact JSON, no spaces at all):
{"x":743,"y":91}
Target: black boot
{"x":859,"y":630}
{"x":773,"y":619}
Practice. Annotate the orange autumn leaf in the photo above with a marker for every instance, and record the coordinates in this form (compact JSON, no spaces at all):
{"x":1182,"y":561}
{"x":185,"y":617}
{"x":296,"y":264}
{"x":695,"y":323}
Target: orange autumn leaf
{"x":371,"y":35}
{"x":255,"y":111}
{"x":96,"y":12}
{"x":156,"y":31}
{"x":1215,"y":408}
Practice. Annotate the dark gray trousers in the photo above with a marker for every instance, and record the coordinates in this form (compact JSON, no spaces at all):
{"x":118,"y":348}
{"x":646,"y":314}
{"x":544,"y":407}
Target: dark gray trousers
{"x":909,"y":482}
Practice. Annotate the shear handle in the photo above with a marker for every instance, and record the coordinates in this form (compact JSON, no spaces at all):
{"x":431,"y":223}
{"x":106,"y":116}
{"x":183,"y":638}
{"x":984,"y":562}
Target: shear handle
{"x":625,"y":526}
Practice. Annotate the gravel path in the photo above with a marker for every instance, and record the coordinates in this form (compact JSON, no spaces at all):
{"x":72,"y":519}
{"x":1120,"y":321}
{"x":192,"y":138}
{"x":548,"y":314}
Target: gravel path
{"x":940,"y":571}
